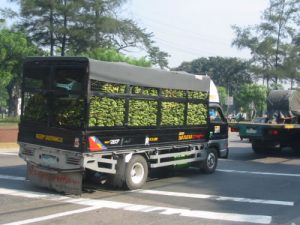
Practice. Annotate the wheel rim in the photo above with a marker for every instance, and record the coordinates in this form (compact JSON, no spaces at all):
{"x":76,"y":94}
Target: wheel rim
{"x":137,"y":173}
{"x":211,"y":160}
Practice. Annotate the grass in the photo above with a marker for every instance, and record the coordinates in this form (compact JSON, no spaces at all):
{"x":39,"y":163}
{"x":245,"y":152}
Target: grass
{"x":9,"y":122}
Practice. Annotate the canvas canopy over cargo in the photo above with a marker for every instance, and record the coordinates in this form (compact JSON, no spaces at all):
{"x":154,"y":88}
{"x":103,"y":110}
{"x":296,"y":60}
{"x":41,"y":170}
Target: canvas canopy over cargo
{"x":129,"y":74}
{"x":283,"y":103}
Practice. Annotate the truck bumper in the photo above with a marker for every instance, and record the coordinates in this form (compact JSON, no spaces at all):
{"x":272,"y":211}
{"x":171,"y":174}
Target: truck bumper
{"x":53,"y":168}
{"x":69,"y":182}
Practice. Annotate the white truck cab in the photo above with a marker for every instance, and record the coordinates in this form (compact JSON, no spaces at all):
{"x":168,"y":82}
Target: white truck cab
{"x":218,"y":124}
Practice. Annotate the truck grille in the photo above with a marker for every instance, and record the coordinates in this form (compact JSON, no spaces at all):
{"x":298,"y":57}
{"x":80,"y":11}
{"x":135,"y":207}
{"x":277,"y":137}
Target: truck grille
{"x":28,"y":152}
{"x":73,"y":161}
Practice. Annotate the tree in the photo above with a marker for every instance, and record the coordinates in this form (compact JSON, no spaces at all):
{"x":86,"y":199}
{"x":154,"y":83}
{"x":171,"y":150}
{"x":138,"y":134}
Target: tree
{"x":222,"y":96}
{"x":252,"y":99}
{"x":111,"y":55}
{"x":227,"y":72}
{"x":14,"y":47}
{"x":71,"y":27}
{"x":269,"y":41}
{"x":291,"y":63}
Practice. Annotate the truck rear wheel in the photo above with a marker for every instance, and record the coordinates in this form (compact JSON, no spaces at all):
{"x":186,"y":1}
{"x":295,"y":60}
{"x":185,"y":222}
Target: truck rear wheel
{"x":136,"y":172}
{"x":258,"y":147}
{"x":210,"y":163}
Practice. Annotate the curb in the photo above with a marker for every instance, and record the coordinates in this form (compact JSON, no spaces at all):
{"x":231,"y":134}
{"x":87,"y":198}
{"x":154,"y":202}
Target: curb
{"x":9,"y":147}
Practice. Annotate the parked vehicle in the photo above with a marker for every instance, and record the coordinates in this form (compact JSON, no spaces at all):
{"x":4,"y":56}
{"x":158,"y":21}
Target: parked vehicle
{"x":280,"y":129}
{"x":81,"y":115}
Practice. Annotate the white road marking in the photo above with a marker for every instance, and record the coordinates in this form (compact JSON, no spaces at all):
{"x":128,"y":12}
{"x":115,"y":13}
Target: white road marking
{"x":189,"y":195}
{"x":7,"y":177}
{"x":260,"y":219}
{"x":53,"y":216}
{"x":9,"y":153}
{"x":215,"y":197}
{"x":260,"y":173}
{"x":31,"y":194}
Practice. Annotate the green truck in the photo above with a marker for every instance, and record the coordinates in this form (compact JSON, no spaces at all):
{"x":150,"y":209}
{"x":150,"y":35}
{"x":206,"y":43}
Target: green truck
{"x":279,"y":129}
{"x":82,"y":116}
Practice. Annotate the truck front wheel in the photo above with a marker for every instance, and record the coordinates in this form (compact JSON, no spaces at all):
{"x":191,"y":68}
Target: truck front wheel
{"x":136,"y":172}
{"x":210,"y":163}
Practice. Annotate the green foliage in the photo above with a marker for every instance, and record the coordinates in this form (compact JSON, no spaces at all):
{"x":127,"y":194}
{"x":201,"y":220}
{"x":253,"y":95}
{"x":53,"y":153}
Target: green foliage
{"x":112,"y":55}
{"x":144,"y":91}
{"x":14,"y":47}
{"x":113,"y":88}
{"x":222,"y":91}
{"x":3,"y":97}
{"x":272,"y":42}
{"x":252,"y":97}
{"x":10,"y":121}
{"x":142,"y":113}
{"x":69,"y":112}
{"x":197,"y":114}
{"x":36,"y":108}
{"x":229,"y":72}
{"x":173,"y":93}
{"x":111,"y":111}
{"x":73,"y":27}
{"x":197,"y":95}
{"x":172,"y":114}
{"x":158,"y":57}
{"x":106,"y":112}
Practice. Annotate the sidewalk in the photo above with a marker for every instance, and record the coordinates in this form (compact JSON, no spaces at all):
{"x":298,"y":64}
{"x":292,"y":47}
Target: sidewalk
{"x":9,"y":147}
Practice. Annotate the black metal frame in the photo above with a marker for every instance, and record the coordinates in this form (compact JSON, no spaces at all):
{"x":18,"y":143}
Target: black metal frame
{"x":53,"y":66}
{"x":129,"y":96}
{"x":167,"y":134}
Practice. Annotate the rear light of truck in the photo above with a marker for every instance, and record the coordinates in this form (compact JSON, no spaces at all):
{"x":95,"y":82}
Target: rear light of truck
{"x":273,"y":132}
{"x":95,"y":145}
{"x":234,"y":129}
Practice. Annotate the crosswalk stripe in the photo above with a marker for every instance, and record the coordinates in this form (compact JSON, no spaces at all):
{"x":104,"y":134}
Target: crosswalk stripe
{"x":259,"y":219}
{"x":215,"y":197}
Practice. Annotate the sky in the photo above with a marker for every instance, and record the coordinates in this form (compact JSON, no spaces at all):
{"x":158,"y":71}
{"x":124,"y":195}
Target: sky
{"x":190,"y":29}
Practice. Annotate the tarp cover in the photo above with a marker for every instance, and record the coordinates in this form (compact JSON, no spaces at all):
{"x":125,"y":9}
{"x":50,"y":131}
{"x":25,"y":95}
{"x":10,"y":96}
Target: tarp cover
{"x":283,"y":103}
{"x":135,"y":75}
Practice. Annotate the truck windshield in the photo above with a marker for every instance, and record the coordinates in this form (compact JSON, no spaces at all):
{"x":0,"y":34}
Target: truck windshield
{"x":53,"y":96}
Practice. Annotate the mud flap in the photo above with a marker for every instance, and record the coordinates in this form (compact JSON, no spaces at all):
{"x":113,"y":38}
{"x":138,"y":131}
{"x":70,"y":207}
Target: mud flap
{"x":67,"y":182}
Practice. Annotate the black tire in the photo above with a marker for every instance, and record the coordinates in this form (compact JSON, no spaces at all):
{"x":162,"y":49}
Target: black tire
{"x":210,"y":163}
{"x":258,"y":147}
{"x":117,"y":180}
{"x":136,"y":172}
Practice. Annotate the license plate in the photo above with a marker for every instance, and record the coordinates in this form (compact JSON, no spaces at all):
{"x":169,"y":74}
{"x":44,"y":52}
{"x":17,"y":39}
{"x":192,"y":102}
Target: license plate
{"x":49,"y":159}
{"x":251,"y":131}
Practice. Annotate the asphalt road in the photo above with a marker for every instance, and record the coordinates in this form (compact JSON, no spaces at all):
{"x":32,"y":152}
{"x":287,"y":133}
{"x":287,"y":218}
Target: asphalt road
{"x":246,"y":189}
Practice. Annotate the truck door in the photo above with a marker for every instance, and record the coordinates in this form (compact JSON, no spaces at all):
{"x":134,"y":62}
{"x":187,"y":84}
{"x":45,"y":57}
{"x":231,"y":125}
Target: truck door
{"x":218,"y":130}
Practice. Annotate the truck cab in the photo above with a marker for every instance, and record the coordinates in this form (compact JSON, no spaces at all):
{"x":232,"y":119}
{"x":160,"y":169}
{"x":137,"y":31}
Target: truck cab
{"x":218,"y":138}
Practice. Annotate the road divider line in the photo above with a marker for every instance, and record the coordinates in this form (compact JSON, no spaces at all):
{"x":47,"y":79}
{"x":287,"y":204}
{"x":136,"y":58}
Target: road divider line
{"x":260,"y":173}
{"x":215,"y":197}
{"x":96,"y":204}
